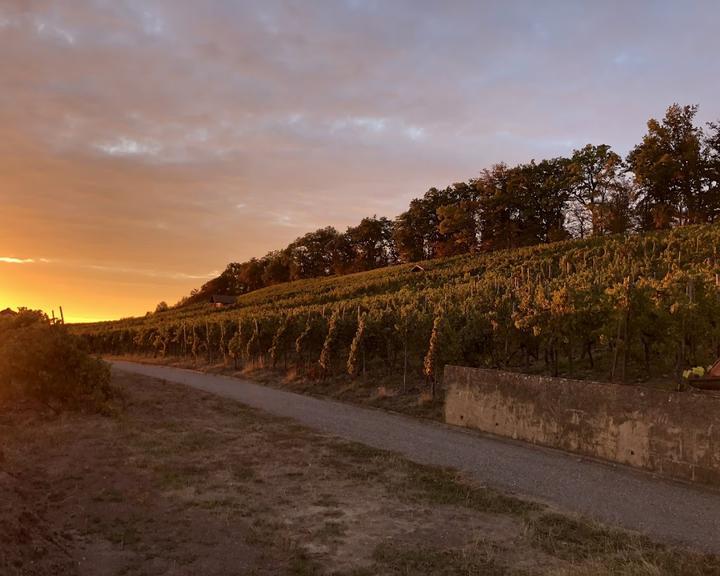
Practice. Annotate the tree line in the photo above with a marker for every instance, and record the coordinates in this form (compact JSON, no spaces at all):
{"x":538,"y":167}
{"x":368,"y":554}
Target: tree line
{"x":671,"y":178}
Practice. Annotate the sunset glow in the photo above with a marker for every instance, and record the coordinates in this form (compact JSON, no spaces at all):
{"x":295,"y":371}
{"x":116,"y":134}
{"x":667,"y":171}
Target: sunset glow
{"x":144,"y":145}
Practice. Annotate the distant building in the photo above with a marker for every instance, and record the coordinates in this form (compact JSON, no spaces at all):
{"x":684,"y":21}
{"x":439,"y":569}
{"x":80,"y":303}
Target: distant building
{"x":222,"y":300}
{"x":714,"y":371}
{"x":7,"y":312}
{"x":417,"y":268}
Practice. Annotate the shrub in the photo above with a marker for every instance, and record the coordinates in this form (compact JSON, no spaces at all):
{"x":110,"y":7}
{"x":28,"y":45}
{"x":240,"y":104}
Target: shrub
{"x":41,"y":361}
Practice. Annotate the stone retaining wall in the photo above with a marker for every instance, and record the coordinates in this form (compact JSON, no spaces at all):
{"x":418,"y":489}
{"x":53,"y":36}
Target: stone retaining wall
{"x":676,"y":434}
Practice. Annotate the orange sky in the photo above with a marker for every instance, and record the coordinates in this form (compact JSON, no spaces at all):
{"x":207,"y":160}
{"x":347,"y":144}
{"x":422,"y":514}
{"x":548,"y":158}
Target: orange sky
{"x":144,"y":144}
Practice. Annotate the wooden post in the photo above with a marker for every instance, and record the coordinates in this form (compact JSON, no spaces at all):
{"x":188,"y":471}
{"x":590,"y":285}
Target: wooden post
{"x":62,"y":316}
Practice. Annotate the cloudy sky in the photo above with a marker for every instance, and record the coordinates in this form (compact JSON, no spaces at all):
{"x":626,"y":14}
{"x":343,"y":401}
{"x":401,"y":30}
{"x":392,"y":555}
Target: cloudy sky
{"x":146,"y":143}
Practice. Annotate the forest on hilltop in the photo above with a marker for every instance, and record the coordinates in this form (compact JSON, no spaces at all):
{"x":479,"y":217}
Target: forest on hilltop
{"x":671,"y":178}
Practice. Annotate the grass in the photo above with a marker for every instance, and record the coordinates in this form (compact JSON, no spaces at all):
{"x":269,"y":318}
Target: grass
{"x":332,"y":530}
{"x":417,"y":560}
{"x":444,"y":486}
{"x":579,"y":545}
{"x":595,"y":549}
{"x":221,"y":478}
{"x":429,"y":484}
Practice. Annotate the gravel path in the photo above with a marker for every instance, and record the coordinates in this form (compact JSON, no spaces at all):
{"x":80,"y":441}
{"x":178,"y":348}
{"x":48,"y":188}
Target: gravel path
{"x":667,"y":511}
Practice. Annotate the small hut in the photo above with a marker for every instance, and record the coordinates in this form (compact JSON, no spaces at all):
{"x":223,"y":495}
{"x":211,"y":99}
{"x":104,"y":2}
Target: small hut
{"x":222,"y":300}
{"x":714,"y":371}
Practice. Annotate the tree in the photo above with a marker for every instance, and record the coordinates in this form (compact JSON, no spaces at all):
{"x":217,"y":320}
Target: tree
{"x":162,"y":307}
{"x":458,"y":227}
{"x":596,"y":185}
{"x":668,"y":169}
{"x":409,"y":236}
{"x":523,"y":205}
{"x":372,"y":243}
{"x":312,"y":255}
{"x":541,"y":191}
{"x":499,"y":211}
{"x":711,"y":159}
{"x":250,"y":275}
{"x":416,"y":231}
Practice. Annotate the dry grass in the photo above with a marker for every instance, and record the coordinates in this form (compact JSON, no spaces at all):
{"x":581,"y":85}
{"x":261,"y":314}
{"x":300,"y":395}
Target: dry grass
{"x":187,"y":483}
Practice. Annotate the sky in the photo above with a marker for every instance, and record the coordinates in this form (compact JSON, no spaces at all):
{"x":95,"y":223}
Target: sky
{"x":144,"y":144}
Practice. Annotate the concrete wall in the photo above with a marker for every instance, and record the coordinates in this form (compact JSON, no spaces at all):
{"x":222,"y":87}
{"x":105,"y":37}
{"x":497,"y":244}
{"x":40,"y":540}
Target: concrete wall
{"x":676,"y":434}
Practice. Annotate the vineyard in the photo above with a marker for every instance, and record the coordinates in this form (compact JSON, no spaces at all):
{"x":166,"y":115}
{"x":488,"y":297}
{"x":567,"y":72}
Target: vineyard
{"x":622,"y":308}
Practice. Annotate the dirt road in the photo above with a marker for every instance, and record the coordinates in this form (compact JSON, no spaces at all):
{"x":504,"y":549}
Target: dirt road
{"x":667,"y":511}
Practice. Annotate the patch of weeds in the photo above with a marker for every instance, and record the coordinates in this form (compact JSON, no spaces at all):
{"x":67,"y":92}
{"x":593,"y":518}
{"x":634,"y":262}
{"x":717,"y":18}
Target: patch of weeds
{"x":198,"y":440}
{"x":265,"y":532}
{"x":156,"y":446}
{"x":334,"y":513}
{"x":170,"y":425}
{"x":403,"y":561}
{"x":576,"y":540}
{"x":358,"y":461}
{"x":242,"y":472}
{"x":357,"y":451}
{"x":287,"y":434}
{"x":109,"y":495}
{"x":179,"y":476}
{"x":419,"y":482}
{"x":658,"y":563}
{"x":331,"y":531}
{"x":365,"y":571}
{"x":445,"y":486}
{"x":124,"y":534}
{"x":600,"y":550}
{"x":327,"y":500}
{"x":217,"y":503}
{"x":302,"y":565}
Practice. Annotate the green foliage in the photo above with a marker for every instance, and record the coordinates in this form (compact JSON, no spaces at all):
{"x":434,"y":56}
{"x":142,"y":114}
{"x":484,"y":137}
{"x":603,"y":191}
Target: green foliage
{"x":43,"y":362}
{"x":236,"y":344}
{"x":628,"y":307}
{"x":252,"y":347}
{"x":281,"y":340}
{"x":442,"y":348}
{"x":353,"y":362}
{"x":330,"y":341}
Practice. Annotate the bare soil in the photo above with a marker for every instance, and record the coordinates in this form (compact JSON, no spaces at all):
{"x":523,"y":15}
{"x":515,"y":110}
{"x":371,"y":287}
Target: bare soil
{"x":179,"y":482}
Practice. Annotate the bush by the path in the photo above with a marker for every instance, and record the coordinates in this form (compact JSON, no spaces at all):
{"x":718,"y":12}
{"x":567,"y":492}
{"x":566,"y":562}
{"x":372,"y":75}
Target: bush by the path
{"x":42,"y":361}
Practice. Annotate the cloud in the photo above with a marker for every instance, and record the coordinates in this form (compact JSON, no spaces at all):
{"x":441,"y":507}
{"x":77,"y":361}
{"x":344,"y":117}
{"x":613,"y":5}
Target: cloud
{"x":11,"y":260}
{"x":128,"y":147}
{"x":54,"y":32}
{"x":148,"y":273}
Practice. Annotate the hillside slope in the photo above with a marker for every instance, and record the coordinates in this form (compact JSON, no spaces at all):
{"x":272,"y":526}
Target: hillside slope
{"x":624,"y":308}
